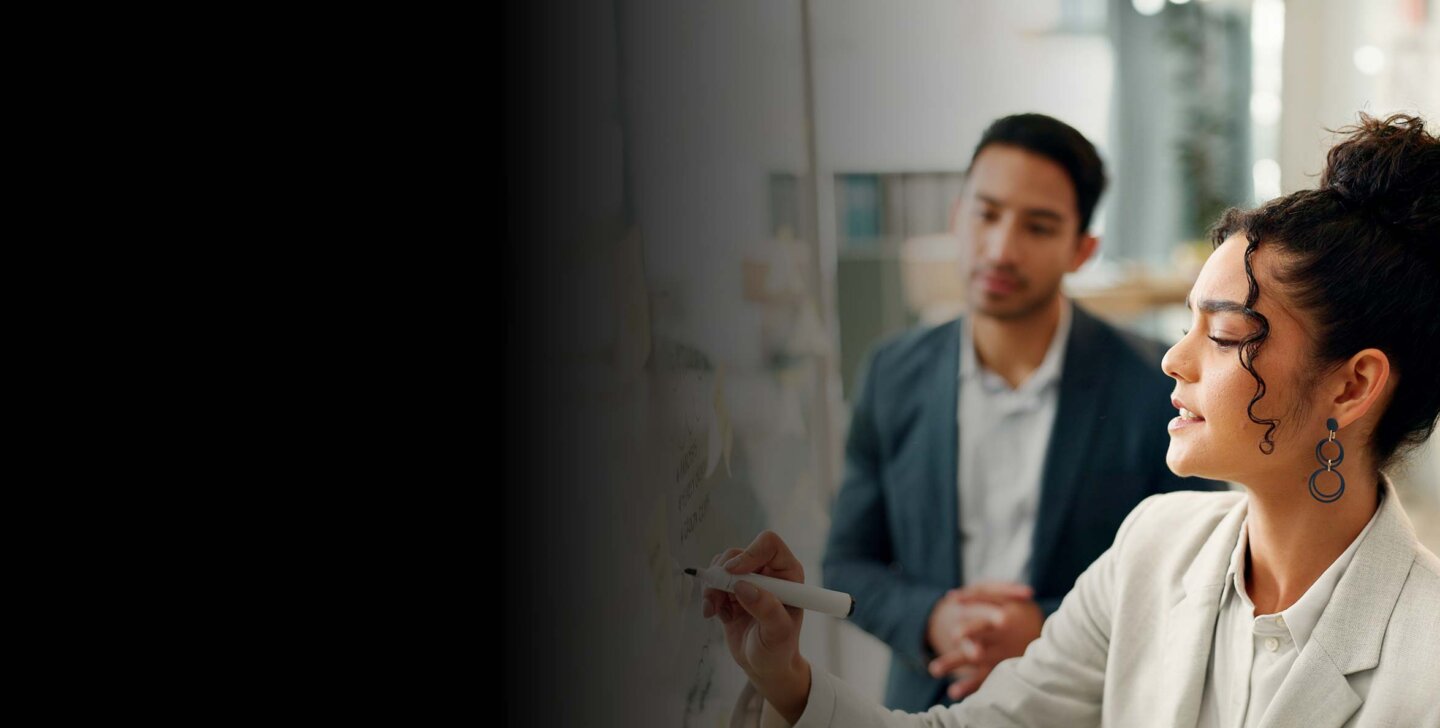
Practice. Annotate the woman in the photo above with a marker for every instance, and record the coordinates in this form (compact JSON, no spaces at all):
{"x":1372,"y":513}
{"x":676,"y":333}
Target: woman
{"x":1310,"y":368}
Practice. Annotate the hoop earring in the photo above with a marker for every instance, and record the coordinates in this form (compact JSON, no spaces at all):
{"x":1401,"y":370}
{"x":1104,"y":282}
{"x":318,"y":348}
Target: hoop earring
{"x":1328,"y":466}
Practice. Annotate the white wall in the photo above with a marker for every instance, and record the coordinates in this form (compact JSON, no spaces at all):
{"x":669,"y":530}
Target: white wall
{"x":1323,"y":87}
{"x":1417,"y":479}
{"x":715,"y":98}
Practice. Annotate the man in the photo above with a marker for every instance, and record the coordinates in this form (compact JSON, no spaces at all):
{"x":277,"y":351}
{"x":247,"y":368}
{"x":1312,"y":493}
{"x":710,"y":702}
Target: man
{"x":997,"y":453}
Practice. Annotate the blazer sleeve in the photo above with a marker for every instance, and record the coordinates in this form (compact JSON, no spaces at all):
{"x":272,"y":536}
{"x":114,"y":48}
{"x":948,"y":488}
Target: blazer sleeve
{"x":859,"y":550}
{"x":1059,"y":681}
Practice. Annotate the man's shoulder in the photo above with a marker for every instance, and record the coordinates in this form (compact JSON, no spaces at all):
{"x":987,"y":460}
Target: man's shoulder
{"x":1096,"y":343}
{"x":1123,"y":347}
{"x":1105,"y":351}
{"x":917,"y":345}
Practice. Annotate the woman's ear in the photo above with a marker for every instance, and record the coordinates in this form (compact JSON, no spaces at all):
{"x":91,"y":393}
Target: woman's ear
{"x":1361,"y":383}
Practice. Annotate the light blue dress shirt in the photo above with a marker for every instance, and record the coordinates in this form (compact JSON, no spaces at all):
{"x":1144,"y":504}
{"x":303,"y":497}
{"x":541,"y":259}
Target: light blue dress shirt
{"x":1004,"y":437}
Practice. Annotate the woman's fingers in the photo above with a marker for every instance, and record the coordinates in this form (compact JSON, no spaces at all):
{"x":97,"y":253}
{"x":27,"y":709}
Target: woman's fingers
{"x":776,"y":625}
{"x":726,"y":555}
{"x":770,"y":553}
{"x":761,"y":632}
{"x":737,"y":622}
{"x":714,"y":599}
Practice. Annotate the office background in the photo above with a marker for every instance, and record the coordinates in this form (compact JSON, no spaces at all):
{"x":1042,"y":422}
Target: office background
{"x":716,"y":208}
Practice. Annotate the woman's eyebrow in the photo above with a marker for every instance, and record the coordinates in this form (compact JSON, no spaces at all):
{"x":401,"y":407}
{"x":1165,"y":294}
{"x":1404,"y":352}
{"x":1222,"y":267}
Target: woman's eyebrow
{"x":1211,"y":305}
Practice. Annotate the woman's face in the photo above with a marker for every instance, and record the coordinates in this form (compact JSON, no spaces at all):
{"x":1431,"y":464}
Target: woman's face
{"x":1216,"y":438}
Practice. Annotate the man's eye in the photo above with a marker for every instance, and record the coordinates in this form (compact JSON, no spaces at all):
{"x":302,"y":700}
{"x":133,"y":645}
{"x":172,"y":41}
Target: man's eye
{"x":1038,"y":230}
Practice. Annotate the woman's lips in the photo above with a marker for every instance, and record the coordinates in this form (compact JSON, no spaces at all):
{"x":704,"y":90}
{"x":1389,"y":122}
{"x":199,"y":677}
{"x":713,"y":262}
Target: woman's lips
{"x":1186,"y":418}
{"x":1180,"y":423}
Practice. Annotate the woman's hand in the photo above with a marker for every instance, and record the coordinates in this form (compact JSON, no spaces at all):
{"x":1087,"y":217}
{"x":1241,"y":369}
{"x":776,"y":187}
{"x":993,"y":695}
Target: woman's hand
{"x":763,"y":634}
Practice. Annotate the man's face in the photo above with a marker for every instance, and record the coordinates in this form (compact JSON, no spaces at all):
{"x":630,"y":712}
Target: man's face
{"x":1019,"y":229}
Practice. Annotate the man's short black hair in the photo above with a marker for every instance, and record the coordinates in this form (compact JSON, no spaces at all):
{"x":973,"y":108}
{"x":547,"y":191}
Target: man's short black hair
{"x":1060,"y":143}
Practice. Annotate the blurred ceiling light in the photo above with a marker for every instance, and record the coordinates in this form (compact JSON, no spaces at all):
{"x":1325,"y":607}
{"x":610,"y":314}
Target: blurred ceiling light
{"x":1179,"y":2}
{"x":1148,"y":7}
{"x":1369,"y":59}
{"x":1267,"y":24}
{"x":1267,"y":180}
{"x":1265,"y":107}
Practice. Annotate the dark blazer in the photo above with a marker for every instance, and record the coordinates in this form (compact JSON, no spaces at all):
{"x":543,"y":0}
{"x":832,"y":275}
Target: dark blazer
{"x":894,"y":540}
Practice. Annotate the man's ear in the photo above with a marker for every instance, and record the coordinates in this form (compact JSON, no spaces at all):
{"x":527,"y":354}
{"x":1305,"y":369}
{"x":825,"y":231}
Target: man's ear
{"x":1087,"y":247}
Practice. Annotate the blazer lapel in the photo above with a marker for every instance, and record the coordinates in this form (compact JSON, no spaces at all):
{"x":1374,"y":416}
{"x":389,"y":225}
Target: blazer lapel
{"x":1314,"y":695}
{"x":1347,"y":639}
{"x":1080,"y":388}
{"x":942,"y":421}
{"x":1190,"y":624}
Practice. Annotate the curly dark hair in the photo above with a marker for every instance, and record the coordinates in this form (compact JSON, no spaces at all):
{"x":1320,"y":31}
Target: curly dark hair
{"x":1361,"y":256}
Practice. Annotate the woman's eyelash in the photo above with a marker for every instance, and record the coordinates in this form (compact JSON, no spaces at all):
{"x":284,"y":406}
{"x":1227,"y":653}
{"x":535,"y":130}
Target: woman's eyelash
{"x":1222,"y":343}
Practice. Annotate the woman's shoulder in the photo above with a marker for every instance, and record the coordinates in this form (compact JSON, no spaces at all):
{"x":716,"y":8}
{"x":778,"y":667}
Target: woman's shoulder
{"x":1415,"y":617}
{"x":1424,"y":577}
{"x":1185,"y":510}
{"x":1170,"y":530}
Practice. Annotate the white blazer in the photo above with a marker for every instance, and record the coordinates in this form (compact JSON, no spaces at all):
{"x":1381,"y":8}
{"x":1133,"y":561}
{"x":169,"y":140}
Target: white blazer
{"x":1130,"y":644}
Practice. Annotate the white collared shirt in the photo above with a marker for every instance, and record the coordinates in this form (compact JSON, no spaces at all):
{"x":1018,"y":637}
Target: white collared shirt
{"x":1004,"y":436}
{"x":1251,"y":656}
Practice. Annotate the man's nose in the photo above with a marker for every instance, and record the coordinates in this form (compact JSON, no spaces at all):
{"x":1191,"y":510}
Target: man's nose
{"x":1000,"y":242}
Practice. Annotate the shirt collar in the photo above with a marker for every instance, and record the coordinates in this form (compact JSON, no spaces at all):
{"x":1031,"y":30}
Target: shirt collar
{"x":1050,"y":367}
{"x":1302,"y":616}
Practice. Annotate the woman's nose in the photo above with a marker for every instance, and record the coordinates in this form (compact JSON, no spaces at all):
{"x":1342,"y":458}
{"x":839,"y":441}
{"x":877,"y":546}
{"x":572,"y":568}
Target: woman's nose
{"x":1174,"y":364}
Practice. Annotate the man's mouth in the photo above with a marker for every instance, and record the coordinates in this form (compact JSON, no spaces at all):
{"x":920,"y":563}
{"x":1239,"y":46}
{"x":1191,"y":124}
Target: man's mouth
{"x":993,"y":282}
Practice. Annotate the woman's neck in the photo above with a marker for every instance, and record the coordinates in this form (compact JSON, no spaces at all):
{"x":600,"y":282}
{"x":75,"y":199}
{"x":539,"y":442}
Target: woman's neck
{"x":1295,"y":538}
